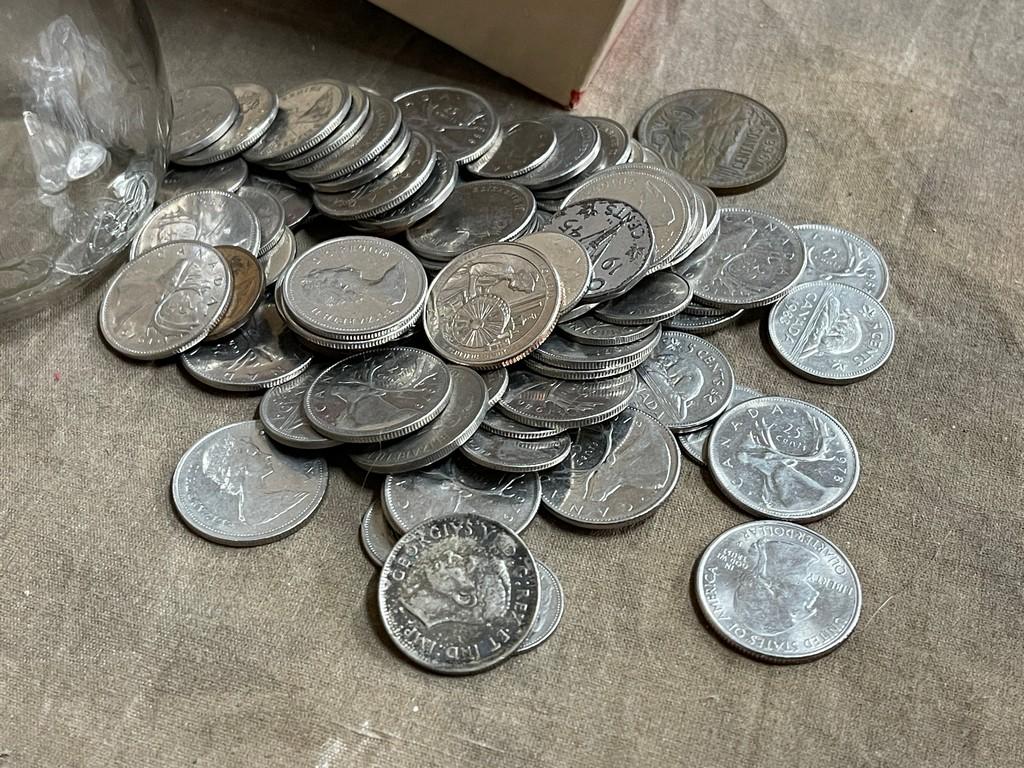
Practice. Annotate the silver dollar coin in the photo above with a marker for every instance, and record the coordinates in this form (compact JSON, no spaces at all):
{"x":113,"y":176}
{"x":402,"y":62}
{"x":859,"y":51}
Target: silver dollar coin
{"x":285,"y":420}
{"x":835,"y":254}
{"x":201,"y":116}
{"x":570,"y":261}
{"x":520,"y":148}
{"x":693,"y":443}
{"x":306,"y":115}
{"x":461,"y":123}
{"x":376,"y":534}
{"x":656,"y":297}
{"x":228,"y":176}
{"x":541,"y":401}
{"x":269,"y":214}
{"x":258,"y":108}
{"x":505,"y":454}
{"x":207,"y":215}
{"x":549,"y":609}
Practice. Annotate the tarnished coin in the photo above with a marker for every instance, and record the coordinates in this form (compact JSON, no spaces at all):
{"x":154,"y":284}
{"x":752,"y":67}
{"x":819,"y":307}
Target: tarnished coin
{"x":339,"y":137}
{"x":700,"y":325}
{"x":566,"y":353}
{"x":235,"y":487}
{"x":258,"y":108}
{"x":549,"y":609}
{"x":507,"y":454}
{"x":577,"y":143}
{"x":617,"y":473}
{"x":541,"y":401}
{"x":263,"y":354}
{"x":590,"y":330}
{"x":376,"y":534}
{"x":656,"y":297}
{"x":379,"y":395}
{"x":474,"y":214}
{"x":269,"y":214}
{"x":166,"y":301}
{"x":458,"y":485}
{"x":777,"y":591}
{"x":831,"y":332}
{"x":459,"y":594}
{"x":280,"y":257}
{"x":441,"y":437}
{"x":835,"y":254}
{"x":201,"y":116}
{"x":208,"y":215}
{"x":228,"y":176}
{"x":686,"y":383}
{"x":492,"y":305}
{"x":496,"y":381}
{"x":297,"y":206}
{"x":500,"y":424}
{"x":693,"y":443}
{"x":519,"y":149}
{"x":285,"y":420}
{"x":461,"y":123}
{"x":723,"y":140}
{"x":427,"y":199}
{"x":247,"y":284}
{"x":755,"y":261}
{"x":306,"y":115}
{"x":570,"y":261}
{"x":783,"y":458}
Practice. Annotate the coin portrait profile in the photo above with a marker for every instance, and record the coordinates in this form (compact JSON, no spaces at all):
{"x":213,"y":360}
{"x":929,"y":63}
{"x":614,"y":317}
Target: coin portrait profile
{"x":776,"y":595}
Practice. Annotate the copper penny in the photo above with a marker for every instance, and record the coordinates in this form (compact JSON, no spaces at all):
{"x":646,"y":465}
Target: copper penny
{"x":248,"y":282}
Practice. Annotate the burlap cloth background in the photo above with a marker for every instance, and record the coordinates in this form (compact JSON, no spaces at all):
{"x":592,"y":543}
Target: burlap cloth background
{"x":125,"y":640}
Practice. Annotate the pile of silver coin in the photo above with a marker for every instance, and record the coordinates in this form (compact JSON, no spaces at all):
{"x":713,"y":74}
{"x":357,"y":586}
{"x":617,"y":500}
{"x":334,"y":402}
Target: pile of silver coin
{"x":510,"y":317}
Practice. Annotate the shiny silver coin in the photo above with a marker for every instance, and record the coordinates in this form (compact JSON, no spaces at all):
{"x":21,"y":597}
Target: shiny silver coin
{"x":571,"y":262}
{"x":500,"y":424}
{"x":306,"y":115}
{"x":519,"y":149}
{"x":615,"y":149}
{"x":702,"y":310}
{"x":235,"y":487}
{"x":831,"y":332}
{"x":712,"y":213}
{"x":550,"y":608}
{"x":166,"y":301}
{"x":655,"y":298}
{"x":297,"y":205}
{"x":201,"y":116}
{"x":693,"y":443}
{"x":458,"y":595}
{"x":428,"y":199}
{"x":604,"y":371}
{"x":438,"y":439}
{"x":577,"y":143}
{"x":506,"y":454}
{"x":208,"y":216}
{"x":756,"y":260}
{"x":258,"y":108}
{"x":474,"y":214}
{"x":590,"y":330}
{"x":279,"y":258}
{"x":379,"y":395}
{"x":650,"y":156}
{"x":841,"y":256}
{"x":696,"y":221}
{"x":269,"y":214}
{"x":285,"y":420}
{"x":457,"y":485}
{"x":263,"y":354}
{"x":777,"y":591}
{"x":566,"y":353}
{"x":782,"y":458}
{"x":461,"y":123}
{"x":339,"y":137}
{"x":376,"y":534}
{"x":700,"y":325}
{"x":541,"y":401}
{"x":497,"y":382}
{"x":228,"y":176}
{"x":617,"y":473}
{"x":636,"y":151}
{"x":492,"y":305}
{"x":686,"y":383}
{"x":580,"y":310}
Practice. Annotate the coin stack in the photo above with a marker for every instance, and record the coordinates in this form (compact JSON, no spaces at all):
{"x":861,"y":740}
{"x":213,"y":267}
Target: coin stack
{"x":510,"y":317}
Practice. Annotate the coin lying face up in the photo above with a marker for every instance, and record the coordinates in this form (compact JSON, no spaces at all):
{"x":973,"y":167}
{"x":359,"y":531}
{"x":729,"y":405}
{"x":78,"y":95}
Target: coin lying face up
{"x":207,"y":215}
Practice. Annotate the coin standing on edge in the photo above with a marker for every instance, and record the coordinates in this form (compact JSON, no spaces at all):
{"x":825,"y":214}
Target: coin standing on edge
{"x":549,"y":610}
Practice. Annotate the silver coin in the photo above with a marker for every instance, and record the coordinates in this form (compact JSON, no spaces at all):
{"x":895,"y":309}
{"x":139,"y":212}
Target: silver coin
{"x":306,"y":115}
{"x":566,"y":353}
{"x":427,"y":199}
{"x":208,"y":215}
{"x":166,"y":301}
{"x":550,"y":608}
{"x":379,"y":395}
{"x":461,"y":123}
{"x":459,"y":594}
{"x":376,"y":534}
{"x":235,"y":487}
{"x":497,"y":382}
{"x":297,"y":205}
{"x":492,"y":305}
{"x":693,"y":443}
{"x":777,"y":591}
{"x":577,"y":143}
{"x":831,"y":332}
{"x":590,"y":330}
{"x":755,"y":261}
{"x":701,"y":310}
{"x":700,"y":325}
{"x":656,"y":297}
{"x":541,"y":401}
{"x":636,"y":151}
{"x":372,"y":171}
{"x":279,"y":258}
{"x":615,"y":147}
{"x":686,"y":383}
{"x":617,"y":473}
{"x":258,"y":108}
{"x":457,"y":485}
{"x":540,"y":220}
{"x":441,"y":437}
{"x":355,"y":287}
{"x":474,"y":214}
{"x":269,"y":214}
{"x":506,"y":454}
{"x":578,"y":311}
{"x":835,"y":254}
{"x":500,"y":424}
{"x":519,"y":149}
{"x":605,"y":371}
{"x":783,"y":458}
{"x":285,"y":420}
{"x":339,"y":137}
{"x":570,"y":261}
{"x":649,"y":156}
{"x":228,"y":176}
{"x":696,"y":221}
{"x":201,"y":116}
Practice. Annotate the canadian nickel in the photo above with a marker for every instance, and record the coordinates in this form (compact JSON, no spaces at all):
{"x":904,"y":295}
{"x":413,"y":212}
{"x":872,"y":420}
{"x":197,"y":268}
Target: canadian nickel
{"x":782,"y":458}
{"x":459,"y":594}
{"x":496,"y":381}
{"x":657,"y":297}
{"x":269,"y":214}
{"x":235,"y":487}
{"x":378,"y":395}
{"x":778,"y":591}
{"x":841,"y":256}
{"x":247,"y":284}
{"x":618,"y":472}
{"x":376,"y":534}
{"x":441,"y":437}
{"x":341,"y":135}
{"x":723,"y":140}
{"x":306,"y":115}
{"x":201,"y":116}
{"x":693,"y":443}
{"x":831,"y":332}
{"x":541,"y":401}
{"x":492,"y":306}
{"x":166,"y":301}
{"x":285,"y":420}
{"x":519,"y":149}
{"x":258,"y":108}
{"x":461,"y":123}
{"x":500,"y":424}
{"x":570,"y":261}
{"x":590,"y":330}
{"x":550,"y":608}
{"x":228,"y":176}
{"x":208,"y":215}
{"x":279,"y":258}
{"x":297,"y":205}
{"x":505,"y":454}
{"x":565,"y":353}
{"x":700,"y":325}
{"x":427,"y":199}
{"x":577,"y":144}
